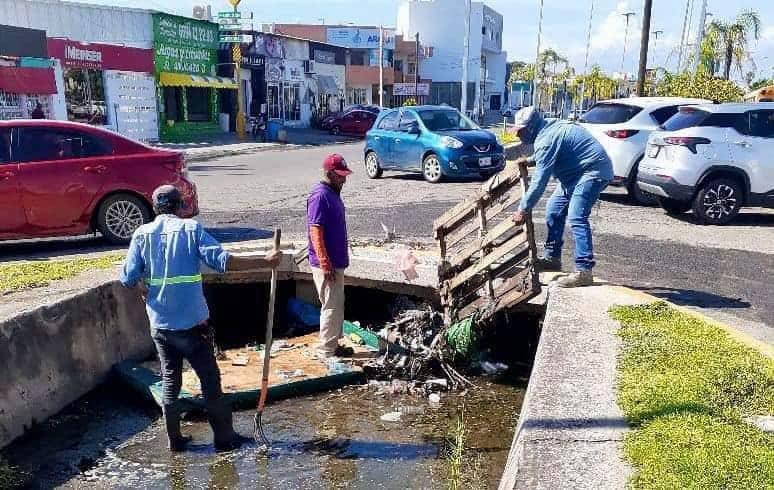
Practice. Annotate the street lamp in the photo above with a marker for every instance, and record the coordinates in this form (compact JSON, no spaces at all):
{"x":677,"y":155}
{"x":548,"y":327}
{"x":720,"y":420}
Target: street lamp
{"x":656,"y":35}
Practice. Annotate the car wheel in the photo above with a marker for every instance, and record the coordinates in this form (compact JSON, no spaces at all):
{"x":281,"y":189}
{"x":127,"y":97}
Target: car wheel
{"x":718,"y":201}
{"x":335,"y":130}
{"x":120,"y":215}
{"x":637,"y":195}
{"x":431,"y":169}
{"x":373,"y":169}
{"x":673,"y":206}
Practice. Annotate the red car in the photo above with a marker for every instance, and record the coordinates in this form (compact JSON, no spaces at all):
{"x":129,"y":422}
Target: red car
{"x":357,"y":122}
{"x":61,"y":178}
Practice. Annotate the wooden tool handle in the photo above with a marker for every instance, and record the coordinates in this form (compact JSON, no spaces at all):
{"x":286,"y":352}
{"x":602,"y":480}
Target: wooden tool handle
{"x":277,"y":235}
{"x":269,"y":328}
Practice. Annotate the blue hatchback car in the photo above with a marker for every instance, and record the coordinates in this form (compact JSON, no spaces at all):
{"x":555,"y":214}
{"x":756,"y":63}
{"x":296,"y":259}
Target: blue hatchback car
{"x":437,"y":141}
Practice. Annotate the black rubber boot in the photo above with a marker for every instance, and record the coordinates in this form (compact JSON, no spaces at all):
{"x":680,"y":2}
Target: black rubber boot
{"x":221,"y":419}
{"x":548,"y":264}
{"x":177,"y":442}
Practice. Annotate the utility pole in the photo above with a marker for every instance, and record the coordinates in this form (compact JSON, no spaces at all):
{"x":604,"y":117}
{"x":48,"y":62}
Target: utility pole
{"x":381,"y":66}
{"x":644,"y":43}
{"x":416,"y":67}
{"x":586,"y":63}
{"x":699,"y":36}
{"x":682,"y":37}
{"x":535,"y":98}
{"x":465,"y":57}
{"x":236,"y":52}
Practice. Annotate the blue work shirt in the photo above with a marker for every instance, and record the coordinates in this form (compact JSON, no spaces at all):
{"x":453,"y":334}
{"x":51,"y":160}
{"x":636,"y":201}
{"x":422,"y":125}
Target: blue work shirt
{"x":568,"y":152}
{"x":167,"y":254}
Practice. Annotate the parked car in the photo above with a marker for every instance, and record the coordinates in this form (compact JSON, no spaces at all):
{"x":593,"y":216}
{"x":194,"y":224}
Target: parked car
{"x":622,"y":126}
{"x":62,"y":178}
{"x":712,"y":159}
{"x":434,"y":140}
{"x":356,"y":122}
{"x":327,"y":122}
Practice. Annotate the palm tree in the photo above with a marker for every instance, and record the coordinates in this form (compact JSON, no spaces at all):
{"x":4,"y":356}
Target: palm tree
{"x":550,"y":57}
{"x":729,"y":40}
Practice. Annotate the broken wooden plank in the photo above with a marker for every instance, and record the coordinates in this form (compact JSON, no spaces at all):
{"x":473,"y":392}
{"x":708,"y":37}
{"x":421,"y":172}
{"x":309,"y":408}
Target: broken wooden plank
{"x":488,"y":239}
{"x":487,"y":260}
{"x":519,"y":283}
{"x":494,"y":209}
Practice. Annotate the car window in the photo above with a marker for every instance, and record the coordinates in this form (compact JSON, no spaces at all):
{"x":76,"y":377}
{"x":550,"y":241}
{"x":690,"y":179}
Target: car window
{"x":610,"y":113}
{"x":5,"y":145}
{"x":685,"y":118}
{"x":406,"y":120}
{"x":661,"y":115}
{"x":446,"y":120}
{"x":389,"y":122}
{"x":762,"y":124}
{"x":43,"y":144}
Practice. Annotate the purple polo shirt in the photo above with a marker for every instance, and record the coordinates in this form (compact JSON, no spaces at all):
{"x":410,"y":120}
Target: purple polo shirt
{"x":325,"y":208}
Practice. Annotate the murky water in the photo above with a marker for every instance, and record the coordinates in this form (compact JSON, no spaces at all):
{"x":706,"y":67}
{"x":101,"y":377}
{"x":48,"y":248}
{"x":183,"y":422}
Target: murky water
{"x":332,"y":440}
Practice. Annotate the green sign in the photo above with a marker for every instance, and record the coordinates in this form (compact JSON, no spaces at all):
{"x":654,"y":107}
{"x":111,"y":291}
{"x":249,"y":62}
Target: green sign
{"x":231,"y":39}
{"x":229,"y":15}
{"x":183,"y":45}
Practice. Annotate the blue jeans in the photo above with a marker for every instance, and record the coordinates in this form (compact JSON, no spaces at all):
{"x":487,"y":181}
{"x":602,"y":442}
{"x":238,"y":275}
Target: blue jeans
{"x":574,"y":203}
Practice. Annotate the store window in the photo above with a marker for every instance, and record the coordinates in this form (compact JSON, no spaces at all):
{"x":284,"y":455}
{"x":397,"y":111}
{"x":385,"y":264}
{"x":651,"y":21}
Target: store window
{"x":273,"y":99}
{"x":85,"y":96}
{"x":398,"y":65}
{"x":199,"y":104}
{"x":357,"y":58}
{"x":173,"y":103}
{"x":359,"y":96}
{"x":412,"y":68}
{"x":10,"y":106}
{"x":291,"y":102}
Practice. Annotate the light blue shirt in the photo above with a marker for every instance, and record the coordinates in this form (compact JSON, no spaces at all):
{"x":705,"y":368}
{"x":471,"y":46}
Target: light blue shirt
{"x":167,"y":254}
{"x":568,"y":152}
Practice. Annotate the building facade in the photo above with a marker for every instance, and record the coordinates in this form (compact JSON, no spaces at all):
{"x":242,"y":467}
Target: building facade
{"x":441,"y":26}
{"x":186,"y":60}
{"x":361,"y":45}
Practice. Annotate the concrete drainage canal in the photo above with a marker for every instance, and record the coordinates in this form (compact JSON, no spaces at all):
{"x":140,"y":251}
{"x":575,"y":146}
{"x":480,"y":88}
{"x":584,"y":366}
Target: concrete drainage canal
{"x":360,"y":430}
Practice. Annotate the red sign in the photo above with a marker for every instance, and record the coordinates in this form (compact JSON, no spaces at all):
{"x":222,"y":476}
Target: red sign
{"x":97,"y":56}
{"x":19,"y":80}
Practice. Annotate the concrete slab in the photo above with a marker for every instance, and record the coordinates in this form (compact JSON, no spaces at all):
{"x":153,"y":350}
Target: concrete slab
{"x":571,"y":429}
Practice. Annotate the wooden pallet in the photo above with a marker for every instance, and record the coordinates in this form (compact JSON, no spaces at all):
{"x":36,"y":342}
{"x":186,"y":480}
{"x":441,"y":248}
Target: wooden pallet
{"x":487,"y":262}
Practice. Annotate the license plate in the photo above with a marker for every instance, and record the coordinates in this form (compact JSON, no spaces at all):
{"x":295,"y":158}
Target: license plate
{"x":653,"y":151}
{"x":485,"y":162}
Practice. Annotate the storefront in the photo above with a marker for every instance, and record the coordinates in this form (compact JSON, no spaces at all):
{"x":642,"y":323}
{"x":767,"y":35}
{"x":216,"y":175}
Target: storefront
{"x":186,"y":53}
{"x":106,"y":85}
{"x":26,"y":73}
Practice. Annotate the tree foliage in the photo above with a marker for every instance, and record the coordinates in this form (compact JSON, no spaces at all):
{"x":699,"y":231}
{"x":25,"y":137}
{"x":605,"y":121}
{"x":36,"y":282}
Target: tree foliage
{"x":700,"y":86}
{"x":763,"y":82}
{"x":728,"y":42}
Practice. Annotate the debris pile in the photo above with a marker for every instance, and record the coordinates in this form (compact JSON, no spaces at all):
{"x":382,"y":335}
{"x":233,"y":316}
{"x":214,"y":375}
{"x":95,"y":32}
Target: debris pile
{"x":416,"y":346}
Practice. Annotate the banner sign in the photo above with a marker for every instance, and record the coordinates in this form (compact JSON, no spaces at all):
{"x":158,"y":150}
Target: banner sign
{"x":98,"y":56}
{"x":408,"y":89}
{"x":353,"y":37}
{"x":183,"y":45}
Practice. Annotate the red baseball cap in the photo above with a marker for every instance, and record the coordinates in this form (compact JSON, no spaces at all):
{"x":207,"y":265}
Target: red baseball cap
{"x":336,"y":163}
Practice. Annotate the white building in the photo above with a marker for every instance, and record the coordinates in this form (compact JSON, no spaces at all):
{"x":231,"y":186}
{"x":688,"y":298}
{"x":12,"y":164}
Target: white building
{"x":441,"y":27}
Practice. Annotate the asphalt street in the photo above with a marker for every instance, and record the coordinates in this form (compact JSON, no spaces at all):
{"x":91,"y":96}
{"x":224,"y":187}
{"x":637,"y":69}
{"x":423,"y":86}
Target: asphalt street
{"x":724,"y":271}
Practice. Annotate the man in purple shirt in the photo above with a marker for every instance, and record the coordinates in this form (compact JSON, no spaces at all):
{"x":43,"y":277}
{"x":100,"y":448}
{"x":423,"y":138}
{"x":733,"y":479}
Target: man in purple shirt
{"x":329,"y":252}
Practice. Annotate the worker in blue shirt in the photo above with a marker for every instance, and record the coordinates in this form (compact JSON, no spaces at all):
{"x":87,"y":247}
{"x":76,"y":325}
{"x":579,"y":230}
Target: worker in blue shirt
{"x":583,"y":169}
{"x":164,"y":261}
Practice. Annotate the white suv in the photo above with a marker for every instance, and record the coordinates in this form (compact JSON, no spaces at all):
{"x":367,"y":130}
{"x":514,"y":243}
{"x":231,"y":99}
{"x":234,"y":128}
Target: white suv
{"x":713,"y":159}
{"x":622,"y":126}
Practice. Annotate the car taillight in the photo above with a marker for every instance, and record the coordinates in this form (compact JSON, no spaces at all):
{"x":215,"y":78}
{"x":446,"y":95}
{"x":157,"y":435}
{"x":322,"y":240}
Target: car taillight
{"x":689,"y":142}
{"x":621,"y":134}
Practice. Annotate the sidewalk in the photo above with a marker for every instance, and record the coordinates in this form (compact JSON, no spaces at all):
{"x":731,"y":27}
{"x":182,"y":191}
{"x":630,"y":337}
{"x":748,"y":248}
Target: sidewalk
{"x":227,"y":144}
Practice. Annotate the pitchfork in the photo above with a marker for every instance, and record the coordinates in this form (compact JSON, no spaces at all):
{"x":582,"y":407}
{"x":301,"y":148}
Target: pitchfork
{"x":258,"y":433}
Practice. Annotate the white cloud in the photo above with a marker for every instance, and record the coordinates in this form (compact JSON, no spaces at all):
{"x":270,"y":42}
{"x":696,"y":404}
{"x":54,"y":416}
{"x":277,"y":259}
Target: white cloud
{"x":612,"y":31}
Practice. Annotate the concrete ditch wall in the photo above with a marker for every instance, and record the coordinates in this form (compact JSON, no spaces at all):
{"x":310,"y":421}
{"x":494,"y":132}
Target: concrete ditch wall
{"x":53,"y":354}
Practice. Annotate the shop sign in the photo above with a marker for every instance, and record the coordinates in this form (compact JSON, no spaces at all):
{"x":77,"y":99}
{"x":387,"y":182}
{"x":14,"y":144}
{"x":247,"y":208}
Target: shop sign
{"x":423,"y":89}
{"x":354,"y":37}
{"x":321,"y":56}
{"x":184,"y":45}
{"x":98,"y":56}
{"x":253,"y":61}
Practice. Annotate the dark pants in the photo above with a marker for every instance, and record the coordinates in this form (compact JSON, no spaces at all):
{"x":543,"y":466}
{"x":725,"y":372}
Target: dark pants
{"x":195,"y":345}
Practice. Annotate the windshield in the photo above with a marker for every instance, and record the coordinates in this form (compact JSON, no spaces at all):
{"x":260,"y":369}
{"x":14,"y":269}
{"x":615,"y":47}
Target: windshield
{"x":685,"y":118}
{"x":446,"y":120}
{"x":610,"y":113}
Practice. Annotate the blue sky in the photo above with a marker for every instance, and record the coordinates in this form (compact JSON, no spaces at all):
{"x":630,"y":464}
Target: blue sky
{"x":564,"y":25}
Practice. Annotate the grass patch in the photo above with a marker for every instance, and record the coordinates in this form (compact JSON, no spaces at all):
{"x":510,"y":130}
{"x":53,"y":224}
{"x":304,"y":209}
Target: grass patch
{"x":685,"y":385}
{"x":464,"y":469}
{"x":27,"y":275}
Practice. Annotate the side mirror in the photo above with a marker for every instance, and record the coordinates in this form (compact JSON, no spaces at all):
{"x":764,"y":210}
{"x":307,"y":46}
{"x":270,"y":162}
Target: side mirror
{"x":413,"y":129}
